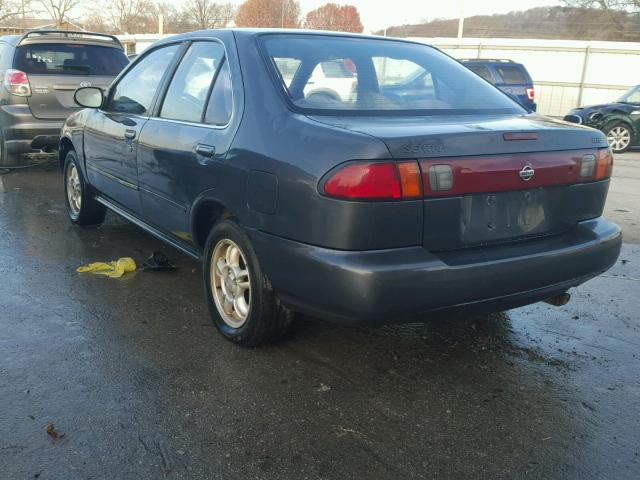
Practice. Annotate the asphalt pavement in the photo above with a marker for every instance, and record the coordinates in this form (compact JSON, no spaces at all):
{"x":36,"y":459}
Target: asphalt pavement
{"x":127,"y":378}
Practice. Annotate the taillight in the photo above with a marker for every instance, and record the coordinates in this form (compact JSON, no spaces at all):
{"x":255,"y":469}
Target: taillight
{"x":587,"y":165}
{"x":531,"y":93}
{"x":443,"y":177}
{"x":604,"y":165}
{"x":375,"y":181}
{"x":17,"y":83}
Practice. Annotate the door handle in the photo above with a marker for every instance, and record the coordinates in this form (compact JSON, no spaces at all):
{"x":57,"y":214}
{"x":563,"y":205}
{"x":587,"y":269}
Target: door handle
{"x":130,"y":134}
{"x":206,"y":151}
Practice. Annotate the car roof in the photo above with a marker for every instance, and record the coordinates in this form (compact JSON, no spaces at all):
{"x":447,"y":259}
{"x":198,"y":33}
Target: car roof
{"x":254,"y":32}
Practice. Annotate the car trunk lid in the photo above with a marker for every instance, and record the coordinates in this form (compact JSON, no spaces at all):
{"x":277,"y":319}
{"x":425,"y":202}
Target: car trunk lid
{"x":511,"y":178}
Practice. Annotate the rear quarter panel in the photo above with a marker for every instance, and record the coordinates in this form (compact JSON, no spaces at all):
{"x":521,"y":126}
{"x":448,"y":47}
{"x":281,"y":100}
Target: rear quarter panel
{"x":298,"y":152}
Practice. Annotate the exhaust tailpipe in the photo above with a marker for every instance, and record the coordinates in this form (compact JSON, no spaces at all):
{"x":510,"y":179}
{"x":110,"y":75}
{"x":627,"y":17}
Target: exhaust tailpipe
{"x":559,"y":300}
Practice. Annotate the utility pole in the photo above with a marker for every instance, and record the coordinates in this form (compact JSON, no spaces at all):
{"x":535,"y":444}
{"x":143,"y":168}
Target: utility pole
{"x":461,"y":21}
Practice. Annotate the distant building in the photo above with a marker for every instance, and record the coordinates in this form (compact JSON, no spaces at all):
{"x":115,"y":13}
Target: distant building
{"x":21,"y":26}
{"x":137,"y":43}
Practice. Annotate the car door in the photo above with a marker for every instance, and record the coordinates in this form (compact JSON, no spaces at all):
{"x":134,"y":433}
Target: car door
{"x":182,"y":146}
{"x":111,"y":134}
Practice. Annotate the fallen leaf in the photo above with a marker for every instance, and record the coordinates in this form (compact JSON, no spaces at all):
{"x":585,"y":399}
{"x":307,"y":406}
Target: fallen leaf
{"x":52,"y":433}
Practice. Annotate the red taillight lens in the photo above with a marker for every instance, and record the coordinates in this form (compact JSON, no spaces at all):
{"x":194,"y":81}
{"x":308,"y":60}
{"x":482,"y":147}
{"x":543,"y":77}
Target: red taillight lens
{"x":604,"y":166}
{"x":375,"y":181}
{"x":17,"y":83}
{"x":531,"y":93}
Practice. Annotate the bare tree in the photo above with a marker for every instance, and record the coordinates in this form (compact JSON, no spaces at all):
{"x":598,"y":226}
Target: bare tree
{"x":10,"y":9}
{"x":132,"y":16}
{"x":176,"y":20}
{"x":628,"y":6}
{"x":59,"y":10}
{"x":208,"y":14}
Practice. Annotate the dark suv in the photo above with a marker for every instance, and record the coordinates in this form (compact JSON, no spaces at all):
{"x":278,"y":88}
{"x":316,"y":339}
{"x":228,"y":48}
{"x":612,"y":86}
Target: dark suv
{"x":509,"y":76}
{"x":40,"y":72}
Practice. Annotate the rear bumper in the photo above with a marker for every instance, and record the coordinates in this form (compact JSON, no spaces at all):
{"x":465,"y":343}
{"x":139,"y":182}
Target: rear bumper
{"x":397,"y":285}
{"x":23,"y":133}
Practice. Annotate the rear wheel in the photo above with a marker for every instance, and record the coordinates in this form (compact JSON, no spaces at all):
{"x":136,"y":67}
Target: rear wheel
{"x":619,"y":136}
{"x":81,"y":206}
{"x":242,"y":303}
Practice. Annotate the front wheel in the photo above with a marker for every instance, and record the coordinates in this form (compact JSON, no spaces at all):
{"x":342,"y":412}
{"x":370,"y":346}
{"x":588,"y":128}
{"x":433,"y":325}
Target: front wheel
{"x":81,"y":206}
{"x":619,"y":136}
{"x":242,"y":303}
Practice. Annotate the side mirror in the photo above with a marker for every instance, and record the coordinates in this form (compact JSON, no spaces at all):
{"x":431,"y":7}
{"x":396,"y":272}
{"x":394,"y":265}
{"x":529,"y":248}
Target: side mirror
{"x":89,"y":97}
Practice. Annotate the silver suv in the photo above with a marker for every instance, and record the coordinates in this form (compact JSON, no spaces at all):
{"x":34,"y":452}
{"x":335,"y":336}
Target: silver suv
{"x":40,"y":72}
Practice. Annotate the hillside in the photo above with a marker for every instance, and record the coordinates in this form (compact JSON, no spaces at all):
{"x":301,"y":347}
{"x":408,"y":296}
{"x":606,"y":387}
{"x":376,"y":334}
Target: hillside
{"x":544,"y":22}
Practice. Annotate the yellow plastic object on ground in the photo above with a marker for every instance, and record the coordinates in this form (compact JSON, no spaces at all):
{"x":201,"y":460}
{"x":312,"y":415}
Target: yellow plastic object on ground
{"x":113,"y":269}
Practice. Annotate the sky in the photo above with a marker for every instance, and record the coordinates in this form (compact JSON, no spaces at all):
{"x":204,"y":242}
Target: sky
{"x":378,"y":14}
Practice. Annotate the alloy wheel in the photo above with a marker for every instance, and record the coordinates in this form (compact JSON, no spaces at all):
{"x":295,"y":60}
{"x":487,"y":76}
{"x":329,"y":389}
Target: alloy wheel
{"x":230,"y":283}
{"x":74,"y":190}
{"x":619,"y":138}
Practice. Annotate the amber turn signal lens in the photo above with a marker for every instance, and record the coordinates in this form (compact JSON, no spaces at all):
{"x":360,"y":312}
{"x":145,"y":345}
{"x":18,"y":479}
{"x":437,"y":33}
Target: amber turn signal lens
{"x":410,"y":179}
{"x":605,"y":164}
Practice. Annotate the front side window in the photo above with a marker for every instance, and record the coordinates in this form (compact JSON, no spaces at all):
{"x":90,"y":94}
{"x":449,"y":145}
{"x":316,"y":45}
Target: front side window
{"x":189,"y":88}
{"x":327,"y":74}
{"x":70,"y":59}
{"x":135,"y":91}
{"x":632,"y":96}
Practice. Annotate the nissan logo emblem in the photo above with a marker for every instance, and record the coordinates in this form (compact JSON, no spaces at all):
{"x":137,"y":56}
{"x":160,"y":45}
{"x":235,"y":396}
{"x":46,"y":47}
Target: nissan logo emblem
{"x":527,"y":173}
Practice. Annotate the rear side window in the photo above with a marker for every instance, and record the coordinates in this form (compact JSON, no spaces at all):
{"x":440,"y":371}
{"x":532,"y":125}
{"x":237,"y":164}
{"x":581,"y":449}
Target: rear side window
{"x":287,"y":67}
{"x":135,"y":91}
{"x":221,"y":102}
{"x":69,"y":59}
{"x":394,"y":72}
{"x":512,"y":75}
{"x":482,"y":71}
{"x":189,"y":88}
{"x":322,"y":73}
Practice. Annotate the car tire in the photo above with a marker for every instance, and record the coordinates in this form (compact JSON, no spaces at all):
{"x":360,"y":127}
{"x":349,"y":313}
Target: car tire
{"x":241,"y":300}
{"x":619,"y":136}
{"x":82,"y":208}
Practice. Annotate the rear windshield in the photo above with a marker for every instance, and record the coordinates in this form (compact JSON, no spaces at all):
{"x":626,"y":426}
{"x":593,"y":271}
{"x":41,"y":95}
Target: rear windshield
{"x":70,"y":59}
{"x":512,"y":75}
{"x":326,"y":74}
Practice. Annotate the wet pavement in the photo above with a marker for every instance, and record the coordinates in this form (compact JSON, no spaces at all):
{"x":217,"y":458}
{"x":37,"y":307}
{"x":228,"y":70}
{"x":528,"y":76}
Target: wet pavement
{"x":138,"y":384}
